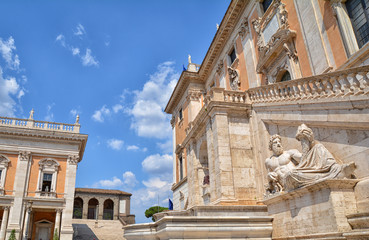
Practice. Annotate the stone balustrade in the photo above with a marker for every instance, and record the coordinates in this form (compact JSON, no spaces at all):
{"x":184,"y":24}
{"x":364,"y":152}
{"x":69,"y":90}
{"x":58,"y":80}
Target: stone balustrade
{"x":44,"y":125}
{"x":351,"y":82}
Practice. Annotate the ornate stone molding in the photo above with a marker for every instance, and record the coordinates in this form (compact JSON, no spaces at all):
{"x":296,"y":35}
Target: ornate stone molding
{"x":220,"y":67}
{"x":194,"y":95}
{"x":234,"y":78}
{"x":73,"y":159}
{"x":49,"y":163}
{"x":173,"y":121}
{"x":4,"y":161}
{"x":24,"y":156}
{"x":244,"y":28}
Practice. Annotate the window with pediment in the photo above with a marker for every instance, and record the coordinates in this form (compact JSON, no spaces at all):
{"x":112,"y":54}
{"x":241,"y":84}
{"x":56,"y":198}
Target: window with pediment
{"x":276,"y":43}
{"x":4,"y":162}
{"x":48,"y":172}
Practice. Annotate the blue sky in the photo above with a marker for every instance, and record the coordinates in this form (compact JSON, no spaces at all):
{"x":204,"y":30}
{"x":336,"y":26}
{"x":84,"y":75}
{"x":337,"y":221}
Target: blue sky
{"x":115,"y":64}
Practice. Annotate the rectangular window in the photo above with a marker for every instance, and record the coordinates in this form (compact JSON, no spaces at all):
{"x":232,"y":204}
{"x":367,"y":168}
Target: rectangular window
{"x":46,"y":182}
{"x":358,"y":11}
{"x":232,"y":55}
{"x":180,"y":114}
{"x":180,"y":161}
{"x":266,"y":4}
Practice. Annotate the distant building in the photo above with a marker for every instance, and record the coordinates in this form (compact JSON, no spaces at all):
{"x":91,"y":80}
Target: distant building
{"x":103,"y":204}
{"x":38,"y":164}
{"x":272,"y":66}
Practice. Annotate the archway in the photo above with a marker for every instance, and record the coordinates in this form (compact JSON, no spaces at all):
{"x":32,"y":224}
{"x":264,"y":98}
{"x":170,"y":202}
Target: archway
{"x":92,"y":208}
{"x":108,"y":210}
{"x":78,"y":208}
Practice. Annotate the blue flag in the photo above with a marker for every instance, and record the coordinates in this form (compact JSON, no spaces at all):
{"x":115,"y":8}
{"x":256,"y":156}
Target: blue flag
{"x":184,"y":69}
{"x":170,"y":204}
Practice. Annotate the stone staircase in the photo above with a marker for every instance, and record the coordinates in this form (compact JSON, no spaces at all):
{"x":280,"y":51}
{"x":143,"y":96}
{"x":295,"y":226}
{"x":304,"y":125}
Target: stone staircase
{"x":86,"y":229}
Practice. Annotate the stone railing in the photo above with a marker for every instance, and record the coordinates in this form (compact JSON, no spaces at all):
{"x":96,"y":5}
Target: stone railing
{"x":350,"y":82}
{"x":30,"y":123}
{"x":222,"y":95}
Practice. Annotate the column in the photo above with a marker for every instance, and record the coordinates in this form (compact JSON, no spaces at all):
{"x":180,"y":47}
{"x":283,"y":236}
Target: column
{"x":66,"y":232}
{"x":4,"y":222}
{"x":17,"y":210}
{"x":26,"y":223}
{"x":85,"y":208}
{"x":57,"y":221}
{"x":116,"y":209}
{"x":100,"y":209}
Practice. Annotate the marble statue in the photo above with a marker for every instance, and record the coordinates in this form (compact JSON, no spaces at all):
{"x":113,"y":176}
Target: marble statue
{"x":189,"y":58}
{"x":280,"y":163}
{"x":31,"y":114}
{"x":287,"y":172}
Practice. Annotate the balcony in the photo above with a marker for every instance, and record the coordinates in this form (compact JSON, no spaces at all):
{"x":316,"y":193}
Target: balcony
{"x":39,"y":125}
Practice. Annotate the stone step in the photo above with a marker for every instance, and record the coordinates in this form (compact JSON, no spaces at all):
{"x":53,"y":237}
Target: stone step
{"x":86,"y":229}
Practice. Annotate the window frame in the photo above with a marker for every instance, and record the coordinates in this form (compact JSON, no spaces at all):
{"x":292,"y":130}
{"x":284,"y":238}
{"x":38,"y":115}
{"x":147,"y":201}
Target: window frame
{"x":4,"y":163}
{"x":47,"y":166}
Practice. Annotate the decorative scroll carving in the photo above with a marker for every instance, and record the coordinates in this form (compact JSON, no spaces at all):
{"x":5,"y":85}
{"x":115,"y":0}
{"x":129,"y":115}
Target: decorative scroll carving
{"x":288,"y":170}
{"x":234,"y":78}
{"x":194,"y":95}
{"x":73,"y":159}
{"x":244,"y":28}
{"x":49,"y":163}
{"x":220,"y":67}
{"x":24,"y":156}
{"x":173,"y":121}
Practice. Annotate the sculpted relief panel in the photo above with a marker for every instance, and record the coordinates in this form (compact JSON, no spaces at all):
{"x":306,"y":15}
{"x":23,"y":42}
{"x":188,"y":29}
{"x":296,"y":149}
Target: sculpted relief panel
{"x":288,"y":170}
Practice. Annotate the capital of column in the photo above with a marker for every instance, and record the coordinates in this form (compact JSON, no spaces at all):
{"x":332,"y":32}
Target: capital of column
{"x":6,"y":208}
{"x":24,"y":155}
{"x":73,"y":159}
{"x":58,"y":210}
{"x":173,"y":121}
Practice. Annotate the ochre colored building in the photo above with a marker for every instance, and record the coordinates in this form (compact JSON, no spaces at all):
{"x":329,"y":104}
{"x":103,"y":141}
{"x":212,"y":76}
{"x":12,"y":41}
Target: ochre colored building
{"x":271,"y":67}
{"x":38,"y":164}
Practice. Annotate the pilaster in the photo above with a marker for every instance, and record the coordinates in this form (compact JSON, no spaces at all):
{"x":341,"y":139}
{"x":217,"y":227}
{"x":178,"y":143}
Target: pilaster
{"x":66,"y":232}
{"x":16,"y":213}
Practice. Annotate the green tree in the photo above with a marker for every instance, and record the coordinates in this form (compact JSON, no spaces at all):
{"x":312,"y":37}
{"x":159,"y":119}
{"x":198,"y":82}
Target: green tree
{"x":155,"y":209}
{"x":56,"y":237}
{"x":12,"y":235}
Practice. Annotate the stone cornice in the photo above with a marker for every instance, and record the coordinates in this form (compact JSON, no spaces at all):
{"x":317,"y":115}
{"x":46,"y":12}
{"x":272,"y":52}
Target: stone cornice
{"x":226,"y":28}
{"x":27,"y":133}
{"x":178,"y":184}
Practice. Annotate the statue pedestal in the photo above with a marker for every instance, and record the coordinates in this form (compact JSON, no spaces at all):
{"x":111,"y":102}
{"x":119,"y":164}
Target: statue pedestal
{"x":317,"y":211}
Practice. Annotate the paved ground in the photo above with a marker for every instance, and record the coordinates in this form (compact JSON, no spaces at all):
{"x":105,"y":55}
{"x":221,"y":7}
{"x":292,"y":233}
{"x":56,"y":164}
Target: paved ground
{"x":104,"y":230}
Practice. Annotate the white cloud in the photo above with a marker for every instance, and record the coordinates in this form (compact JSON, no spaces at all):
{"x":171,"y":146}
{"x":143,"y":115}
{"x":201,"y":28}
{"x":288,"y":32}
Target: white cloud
{"x":8,"y":88}
{"x":148,"y":118}
{"x":49,"y":114}
{"x":155,"y":183}
{"x":6,"y":50}
{"x":74,"y":112}
{"x":80,"y":30}
{"x":132,"y":148}
{"x":129,"y":179}
{"x":166,"y":147}
{"x":60,"y":38}
{"x":114,"y":183}
{"x":75,"y":51}
{"x":99,"y":115}
{"x":158,"y":164}
{"x":88,"y":59}
{"x":117,"y":108}
{"x":115,"y":144}
{"x":20,"y":94}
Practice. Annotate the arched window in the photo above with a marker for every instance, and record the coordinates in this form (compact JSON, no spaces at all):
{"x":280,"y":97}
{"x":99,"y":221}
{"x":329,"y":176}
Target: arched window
{"x":92,"y":209}
{"x":78,"y":208}
{"x":108,"y":210}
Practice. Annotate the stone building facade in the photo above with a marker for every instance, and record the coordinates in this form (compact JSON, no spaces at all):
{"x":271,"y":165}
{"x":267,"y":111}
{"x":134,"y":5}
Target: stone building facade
{"x":38,"y":164}
{"x":271,"y":67}
{"x":103,"y":204}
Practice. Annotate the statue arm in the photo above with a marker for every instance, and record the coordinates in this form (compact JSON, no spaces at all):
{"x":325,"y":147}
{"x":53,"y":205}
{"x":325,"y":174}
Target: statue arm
{"x":295,"y":156}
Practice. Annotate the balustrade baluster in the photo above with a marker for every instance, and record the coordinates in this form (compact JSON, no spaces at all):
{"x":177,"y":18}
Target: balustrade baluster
{"x":345,"y":85}
{"x":365,"y":81}
{"x":328,"y":87}
{"x":308,"y":90}
{"x":356,"y":88}
{"x":296,"y":91}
